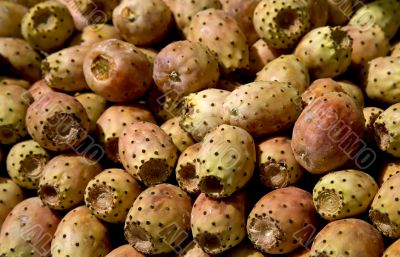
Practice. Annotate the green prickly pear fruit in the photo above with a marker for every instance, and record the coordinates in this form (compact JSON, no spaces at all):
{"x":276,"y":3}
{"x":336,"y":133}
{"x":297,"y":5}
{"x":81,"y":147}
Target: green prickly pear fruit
{"x":63,"y":181}
{"x":39,"y":89}
{"x":281,"y":221}
{"x":225,"y":161}
{"x":370,"y":115}
{"x":354,"y":91}
{"x":4,"y":81}
{"x":339,"y":12}
{"x":393,"y":250}
{"x":186,"y":173}
{"x":260,"y":54}
{"x":319,"y":88}
{"x":110,"y":195}
{"x":95,"y":33}
{"x":80,"y":234}
{"x":10,"y":19}
{"x":387,"y":133}
{"x":262,"y":107}
{"x":28,"y":230}
{"x":25,"y":163}
{"x":11,"y":195}
{"x":180,"y":137}
{"x":388,"y":170}
{"x":94,"y":105}
{"x":244,"y":249}
{"x":159,"y":220}
{"x":125,"y":251}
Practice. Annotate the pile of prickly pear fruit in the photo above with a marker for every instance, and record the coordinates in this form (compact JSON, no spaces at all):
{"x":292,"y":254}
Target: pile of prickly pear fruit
{"x":199,"y":128}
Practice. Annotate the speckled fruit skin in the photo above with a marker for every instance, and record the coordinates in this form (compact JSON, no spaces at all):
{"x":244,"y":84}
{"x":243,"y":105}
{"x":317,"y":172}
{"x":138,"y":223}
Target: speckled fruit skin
{"x":94,"y":105}
{"x":11,"y":195}
{"x":323,"y":136}
{"x":274,"y":223}
{"x":218,"y":225}
{"x":179,"y":136}
{"x":110,"y":195}
{"x":147,"y":152}
{"x":393,"y":250}
{"x":344,"y":194}
{"x":57,"y":121}
{"x":370,"y":115}
{"x":318,"y":88}
{"x":64,"y":178}
{"x":159,"y":219}
{"x":354,"y":91}
{"x":95,"y":33}
{"x":387,"y":133}
{"x":185,"y":171}
{"x":348,"y":237}
{"x":25,"y":163}
{"x":260,"y":53}
{"x":262,"y":107}
{"x":39,"y":89}
{"x":80,"y":234}
{"x":10,"y":17}
{"x":4,"y":81}
{"x":244,"y":249}
{"x":163,"y":106}
{"x":388,"y":170}
{"x":28,"y":230}
{"x":117,"y":70}
{"x":125,"y":251}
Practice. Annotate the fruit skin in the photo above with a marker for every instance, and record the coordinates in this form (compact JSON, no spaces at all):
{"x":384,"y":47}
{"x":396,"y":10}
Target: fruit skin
{"x":276,"y":163}
{"x":94,"y":105}
{"x":159,"y":219}
{"x":26,"y":3}
{"x":64,"y":178}
{"x":281,"y":23}
{"x":348,"y":237}
{"x":395,"y":50}
{"x":193,"y":250}
{"x":318,"y":88}
{"x":117,"y":70}
{"x":147,"y":152}
{"x":185,"y":67}
{"x":202,"y":111}
{"x":301,"y":253}
{"x":46,"y":34}
{"x":244,"y":249}
{"x":393,"y":250}
{"x":125,"y":251}
{"x":80,"y":234}
{"x":370,"y":115}
{"x":10,"y":17}
{"x":354,"y":91}
{"x":180,"y":137}
{"x":328,"y":54}
{"x":142,"y":22}
{"x":274,"y":223}
{"x":318,"y":11}
{"x":262,"y":107}
{"x":25,"y":163}
{"x":387,"y":133}
{"x":4,"y":81}
{"x":28,"y":230}
{"x":228,"y":85}
{"x":186,"y":173}
{"x":11,"y":195}
{"x":57,"y":121}
{"x":95,"y":33}
{"x":163,"y":106}
{"x":328,"y":133}
{"x":260,"y":53}
{"x":218,"y":225}
{"x":344,"y":194}
{"x":286,"y":68}
{"x":388,"y":170}
{"x":226,"y":41}
{"x":39,"y":89}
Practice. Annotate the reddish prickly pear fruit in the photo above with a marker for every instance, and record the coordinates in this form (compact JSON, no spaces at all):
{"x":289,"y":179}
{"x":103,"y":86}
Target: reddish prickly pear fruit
{"x":348,"y":237}
{"x":80,"y":233}
{"x":186,"y":173}
{"x":142,"y":22}
{"x":125,"y":251}
{"x":39,"y":89}
{"x":228,"y":85}
{"x":147,"y":152}
{"x":326,"y":51}
{"x":28,"y":230}
{"x":11,"y":195}
{"x":344,"y":194}
{"x":262,"y":107}
{"x":180,"y":137}
{"x":281,"y":23}
{"x":388,"y":170}
{"x":95,"y":33}
{"x":159,"y":220}
{"x":25,"y":163}
{"x":354,"y":91}
{"x":220,"y":32}
{"x":117,"y":70}
{"x":110,"y":195}
{"x":185,"y":67}
{"x":244,"y":249}
{"x":218,"y":225}
{"x":328,"y":133}
{"x":225,"y":161}
{"x":193,"y":250}
{"x":57,"y":121}
{"x":94,"y":105}
{"x":63,"y":70}
{"x":370,"y":115}
{"x":10,"y":18}
{"x":393,"y":250}
{"x":319,"y":88}
{"x":280,"y":221}
{"x":260,"y":53}
{"x":387,"y":132}
{"x":63,"y":181}
{"x":4,"y":81}
{"x":277,"y":165}
{"x":339,"y":12}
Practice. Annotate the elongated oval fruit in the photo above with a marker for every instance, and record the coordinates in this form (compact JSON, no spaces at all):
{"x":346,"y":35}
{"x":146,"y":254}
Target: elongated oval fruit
{"x":11,"y":195}
{"x":185,"y":171}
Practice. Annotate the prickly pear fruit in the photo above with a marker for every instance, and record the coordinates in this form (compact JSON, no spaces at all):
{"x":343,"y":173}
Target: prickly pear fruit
{"x":319,"y":88}
{"x":218,"y":225}
{"x":388,"y":170}
{"x":142,"y":22}
{"x":28,"y":230}
{"x":163,"y":106}
{"x":147,"y":152}
{"x":94,"y":105}
{"x":18,"y":59}
{"x":262,"y":107}
{"x":220,"y":32}
{"x":95,"y":33}
{"x":150,"y":53}
{"x":14,"y":102}
{"x":370,"y":115}
{"x":339,"y":12}
{"x":326,"y":51}
{"x":10,"y":19}
{"x":244,"y":249}
{"x":280,"y":220}
{"x":260,"y":53}
{"x":125,"y":251}
{"x":117,"y":70}
{"x":185,"y":67}
{"x":80,"y":234}
{"x":57,"y":121}
{"x":277,"y":165}
{"x":318,"y":11}
{"x":225,"y":161}
{"x":328,"y":133}
{"x":63,"y":181}
{"x":39,"y":89}
{"x":180,"y":137}
{"x":354,"y":91}
{"x":395,"y":51}
{"x":202,"y":111}
{"x":110,"y":195}
{"x":11,"y":195}
{"x":281,"y":23}
{"x":393,"y":250}
{"x":186,"y":173}
{"x":193,"y":250}
{"x":25,"y":163}
{"x":159,"y":220}
{"x":387,"y":133}
{"x":286,"y":68}
{"x":348,"y":237}
{"x":4,"y":81}
{"x":41,"y":26}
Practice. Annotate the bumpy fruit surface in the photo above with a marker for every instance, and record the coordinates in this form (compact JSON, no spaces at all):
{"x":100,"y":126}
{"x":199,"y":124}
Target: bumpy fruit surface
{"x":387,"y":133}
{"x":94,"y":105}
{"x":125,"y":251}
{"x":186,"y":173}
{"x":39,"y":89}
{"x":388,"y":170}
{"x":260,"y":53}
{"x":318,"y":88}
{"x":11,"y":195}
{"x":180,"y":137}
{"x":10,"y":18}
{"x":95,"y":33}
